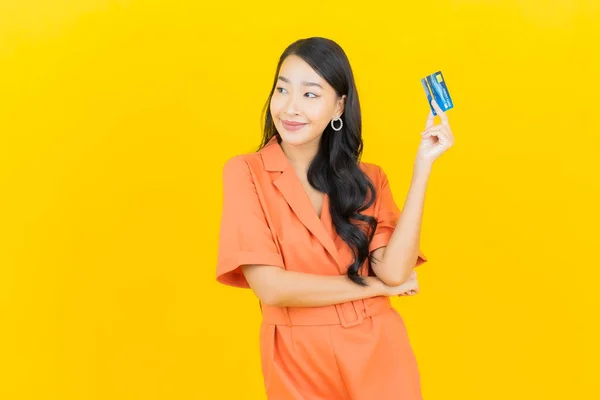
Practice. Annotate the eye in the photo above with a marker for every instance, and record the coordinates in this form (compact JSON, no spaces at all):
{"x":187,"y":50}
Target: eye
{"x":280,"y":91}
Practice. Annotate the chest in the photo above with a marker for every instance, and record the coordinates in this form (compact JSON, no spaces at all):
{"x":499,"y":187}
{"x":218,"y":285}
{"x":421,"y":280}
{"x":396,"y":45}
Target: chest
{"x":301,"y":226}
{"x":316,"y":198}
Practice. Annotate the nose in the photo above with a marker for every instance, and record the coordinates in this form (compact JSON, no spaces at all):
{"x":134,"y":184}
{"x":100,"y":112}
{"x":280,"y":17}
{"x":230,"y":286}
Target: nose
{"x":290,"y":106}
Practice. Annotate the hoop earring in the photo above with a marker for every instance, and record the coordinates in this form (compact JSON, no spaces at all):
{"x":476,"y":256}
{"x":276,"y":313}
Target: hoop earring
{"x":341,"y":124}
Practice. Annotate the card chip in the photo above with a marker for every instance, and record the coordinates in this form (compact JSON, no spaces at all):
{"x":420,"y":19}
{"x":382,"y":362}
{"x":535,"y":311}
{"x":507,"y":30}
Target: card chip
{"x":439,"y":77}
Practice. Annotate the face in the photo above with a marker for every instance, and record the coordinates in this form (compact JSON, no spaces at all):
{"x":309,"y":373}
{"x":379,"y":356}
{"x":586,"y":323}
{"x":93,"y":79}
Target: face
{"x":302,"y":96}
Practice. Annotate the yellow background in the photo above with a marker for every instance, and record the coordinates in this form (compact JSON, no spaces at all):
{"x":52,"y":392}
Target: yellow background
{"x":116,"y":118}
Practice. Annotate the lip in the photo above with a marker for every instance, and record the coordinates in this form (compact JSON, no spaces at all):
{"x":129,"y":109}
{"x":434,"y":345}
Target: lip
{"x":292,"y":125}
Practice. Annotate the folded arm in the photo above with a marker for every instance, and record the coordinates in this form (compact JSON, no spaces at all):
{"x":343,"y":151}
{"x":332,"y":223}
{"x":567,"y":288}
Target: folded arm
{"x":278,"y":287}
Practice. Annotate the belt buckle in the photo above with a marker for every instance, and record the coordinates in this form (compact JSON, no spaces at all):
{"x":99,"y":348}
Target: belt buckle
{"x":360,"y":317}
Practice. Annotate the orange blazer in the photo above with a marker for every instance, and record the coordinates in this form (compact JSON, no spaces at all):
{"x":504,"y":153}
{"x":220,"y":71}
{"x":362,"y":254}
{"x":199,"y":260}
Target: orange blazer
{"x":268,"y":218}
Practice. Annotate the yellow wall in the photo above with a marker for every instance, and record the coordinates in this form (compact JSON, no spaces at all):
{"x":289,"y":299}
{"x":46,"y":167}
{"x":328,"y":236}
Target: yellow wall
{"x":116,"y":118}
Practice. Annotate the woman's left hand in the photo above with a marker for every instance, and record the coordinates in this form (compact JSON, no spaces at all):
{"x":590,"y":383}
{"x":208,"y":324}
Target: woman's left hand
{"x":409,"y":293}
{"x":415,"y":289}
{"x":435,"y":139}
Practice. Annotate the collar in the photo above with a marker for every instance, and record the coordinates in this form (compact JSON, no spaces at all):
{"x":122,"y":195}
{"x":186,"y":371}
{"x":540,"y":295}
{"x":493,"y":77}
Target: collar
{"x":274,"y":158}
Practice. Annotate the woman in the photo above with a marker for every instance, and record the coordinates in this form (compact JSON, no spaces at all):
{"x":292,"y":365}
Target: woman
{"x":317,"y":236}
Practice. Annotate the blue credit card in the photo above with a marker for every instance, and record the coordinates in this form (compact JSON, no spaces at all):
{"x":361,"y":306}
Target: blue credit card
{"x":435,"y":88}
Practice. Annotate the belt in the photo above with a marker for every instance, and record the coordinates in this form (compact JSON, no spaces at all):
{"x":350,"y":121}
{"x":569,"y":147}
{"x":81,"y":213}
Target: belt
{"x":346,"y":314}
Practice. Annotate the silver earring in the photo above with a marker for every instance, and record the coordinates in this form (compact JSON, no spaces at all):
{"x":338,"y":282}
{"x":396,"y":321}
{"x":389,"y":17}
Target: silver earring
{"x":341,"y":124}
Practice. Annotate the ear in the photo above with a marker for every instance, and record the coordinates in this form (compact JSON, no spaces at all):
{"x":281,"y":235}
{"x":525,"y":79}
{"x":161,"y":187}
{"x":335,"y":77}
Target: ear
{"x":340,"y":106}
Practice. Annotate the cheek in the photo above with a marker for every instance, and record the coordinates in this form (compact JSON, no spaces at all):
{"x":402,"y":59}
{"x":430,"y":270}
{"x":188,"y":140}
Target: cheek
{"x":275,"y":106}
{"x":319,"y":118}
{"x":313,"y":112}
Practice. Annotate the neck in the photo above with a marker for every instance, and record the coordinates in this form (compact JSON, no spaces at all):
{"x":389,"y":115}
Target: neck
{"x":301,"y":156}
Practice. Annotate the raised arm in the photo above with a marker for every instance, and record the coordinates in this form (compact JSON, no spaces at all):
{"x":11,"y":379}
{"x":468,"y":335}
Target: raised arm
{"x":399,"y":251}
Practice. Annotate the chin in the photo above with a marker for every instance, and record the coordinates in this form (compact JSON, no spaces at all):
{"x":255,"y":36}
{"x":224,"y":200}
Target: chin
{"x":296,"y":138}
{"x":292,"y":137}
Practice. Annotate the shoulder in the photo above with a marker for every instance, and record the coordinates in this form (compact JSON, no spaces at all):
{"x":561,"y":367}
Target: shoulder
{"x":239,"y":164}
{"x":373,"y":171}
{"x":234,"y":168}
{"x":235,"y":163}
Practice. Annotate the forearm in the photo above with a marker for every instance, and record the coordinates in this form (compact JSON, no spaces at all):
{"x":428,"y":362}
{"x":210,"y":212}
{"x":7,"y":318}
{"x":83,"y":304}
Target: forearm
{"x":297,"y":289}
{"x":402,"y":250}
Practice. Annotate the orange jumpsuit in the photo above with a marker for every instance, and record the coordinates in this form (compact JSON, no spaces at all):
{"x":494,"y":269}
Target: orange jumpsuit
{"x":357,"y":350}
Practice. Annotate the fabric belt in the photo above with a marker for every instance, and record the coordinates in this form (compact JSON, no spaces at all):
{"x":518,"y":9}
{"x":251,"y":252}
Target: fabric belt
{"x":346,"y":314}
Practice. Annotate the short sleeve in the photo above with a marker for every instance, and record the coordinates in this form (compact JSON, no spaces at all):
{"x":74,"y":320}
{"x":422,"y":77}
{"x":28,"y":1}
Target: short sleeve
{"x":387,"y":213}
{"x":244,"y":235}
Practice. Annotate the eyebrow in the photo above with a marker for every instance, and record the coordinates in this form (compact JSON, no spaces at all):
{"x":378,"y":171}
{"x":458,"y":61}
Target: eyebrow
{"x":305,"y":83}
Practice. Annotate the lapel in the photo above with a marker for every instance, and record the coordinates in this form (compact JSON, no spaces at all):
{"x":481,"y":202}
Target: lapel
{"x":291,"y":188}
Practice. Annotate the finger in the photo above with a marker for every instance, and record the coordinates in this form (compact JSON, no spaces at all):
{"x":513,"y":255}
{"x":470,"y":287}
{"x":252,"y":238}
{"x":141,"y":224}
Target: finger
{"x":430,"y":119}
{"x":433,"y":131}
{"x":437,"y":127}
{"x":440,"y":112}
{"x":442,"y":137}
{"x":440,"y":131}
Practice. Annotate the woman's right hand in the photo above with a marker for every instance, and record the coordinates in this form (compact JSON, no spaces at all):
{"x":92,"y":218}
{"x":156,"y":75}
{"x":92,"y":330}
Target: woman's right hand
{"x":408,"y":288}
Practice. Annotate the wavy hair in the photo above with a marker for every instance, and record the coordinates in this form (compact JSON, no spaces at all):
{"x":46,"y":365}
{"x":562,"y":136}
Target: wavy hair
{"x":335,"y":169}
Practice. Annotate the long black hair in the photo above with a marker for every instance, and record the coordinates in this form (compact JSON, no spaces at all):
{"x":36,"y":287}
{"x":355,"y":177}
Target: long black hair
{"x":335,"y":169}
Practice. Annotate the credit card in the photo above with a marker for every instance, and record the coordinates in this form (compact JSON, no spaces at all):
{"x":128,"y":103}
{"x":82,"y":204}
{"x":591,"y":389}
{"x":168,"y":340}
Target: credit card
{"x":435,"y":87}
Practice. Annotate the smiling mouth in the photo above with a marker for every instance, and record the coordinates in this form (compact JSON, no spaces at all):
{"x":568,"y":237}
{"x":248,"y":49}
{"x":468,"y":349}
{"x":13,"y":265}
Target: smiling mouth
{"x":293,"y":123}
{"x":292,"y":126}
